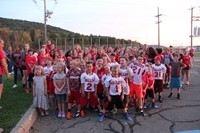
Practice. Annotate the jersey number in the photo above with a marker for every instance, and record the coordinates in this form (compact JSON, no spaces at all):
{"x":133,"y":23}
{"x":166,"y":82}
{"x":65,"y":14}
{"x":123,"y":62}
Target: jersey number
{"x":157,"y":74}
{"x":135,"y":68}
{"x":89,"y":86}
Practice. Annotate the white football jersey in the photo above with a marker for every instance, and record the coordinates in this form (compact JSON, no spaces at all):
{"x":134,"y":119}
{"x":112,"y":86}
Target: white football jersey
{"x":47,"y":70}
{"x":115,"y":85}
{"x":113,"y":64}
{"x":89,"y":81}
{"x":138,"y":71}
{"x":159,"y":71}
{"x":104,"y":78}
{"x":123,"y":72}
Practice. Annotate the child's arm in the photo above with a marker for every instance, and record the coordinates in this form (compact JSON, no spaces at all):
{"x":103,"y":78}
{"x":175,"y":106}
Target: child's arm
{"x":63,"y":85}
{"x":82,"y":90}
{"x":95,"y":90}
{"x":108,"y":94}
{"x":130,"y":74}
{"x":54,"y":83}
{"x":67,"y":84}
{"x":45,"y":87}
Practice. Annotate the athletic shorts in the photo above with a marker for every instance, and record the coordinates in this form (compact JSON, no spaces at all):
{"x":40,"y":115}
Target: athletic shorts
{"x":132,"y":92}
{"x":126,"y":99}
{"x":30,"y":77}
{"x":186,"y":68}
{"x":149,"y":93}
{"x":93,"y":100}
{"x":138,"y":89}
{"x":23,"y":67}
{"x":115,"y":100}
{"x":158,"y":86}
{"x":175,"y":82}
{"x":75,"y":95}
{"x":61,"y":98}
{"x":1,"y":79}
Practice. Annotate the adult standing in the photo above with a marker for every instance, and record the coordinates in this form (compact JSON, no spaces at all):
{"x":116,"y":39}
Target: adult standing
{"x":3,"y":66}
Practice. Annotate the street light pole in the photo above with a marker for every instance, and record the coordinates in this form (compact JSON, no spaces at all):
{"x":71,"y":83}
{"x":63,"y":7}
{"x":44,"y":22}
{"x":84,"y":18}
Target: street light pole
{"x":191,"y":30}
{"x":45,"y":23}
{"x":158,"y":22}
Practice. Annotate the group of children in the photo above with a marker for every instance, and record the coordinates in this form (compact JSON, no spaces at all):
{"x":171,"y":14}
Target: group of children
{"x":108,"y":83}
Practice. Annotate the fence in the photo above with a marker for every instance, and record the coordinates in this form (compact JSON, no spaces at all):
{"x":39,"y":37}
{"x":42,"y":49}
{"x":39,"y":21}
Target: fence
{"x":69,"y":43}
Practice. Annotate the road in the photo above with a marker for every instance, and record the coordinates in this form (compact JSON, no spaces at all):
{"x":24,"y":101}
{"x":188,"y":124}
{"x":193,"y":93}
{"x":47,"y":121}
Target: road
{"x":172,"y":116}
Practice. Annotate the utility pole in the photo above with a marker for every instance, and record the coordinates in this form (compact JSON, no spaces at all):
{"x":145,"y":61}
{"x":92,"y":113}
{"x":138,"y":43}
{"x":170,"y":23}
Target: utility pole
{"x":158,"y":22}
{"x":193,"y":18}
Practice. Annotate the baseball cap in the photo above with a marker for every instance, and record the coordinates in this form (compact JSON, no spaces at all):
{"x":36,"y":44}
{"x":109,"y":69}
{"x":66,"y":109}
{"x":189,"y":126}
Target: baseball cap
{"x":157,"y":58}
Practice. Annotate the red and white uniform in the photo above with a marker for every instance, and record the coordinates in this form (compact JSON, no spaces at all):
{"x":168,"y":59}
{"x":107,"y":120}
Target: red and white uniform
{"x":104,"y":78}
{"x":48,"y":71}
{"x":123,"y":72}
{"x":138,"y":71}
{"x":89,"y":81}
{"x":100,"y":73}
{"x":30,"y":61}
{"x":159,"y":71}
{"x":113,"y":64}
{"x":115,"y":85}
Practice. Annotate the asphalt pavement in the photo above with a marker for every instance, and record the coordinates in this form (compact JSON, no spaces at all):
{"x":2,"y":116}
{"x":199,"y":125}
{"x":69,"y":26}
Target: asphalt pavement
{"x":173,"y":115}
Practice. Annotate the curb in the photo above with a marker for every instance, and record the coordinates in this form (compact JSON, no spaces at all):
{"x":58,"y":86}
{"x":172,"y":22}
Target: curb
{"x":26,"y":121}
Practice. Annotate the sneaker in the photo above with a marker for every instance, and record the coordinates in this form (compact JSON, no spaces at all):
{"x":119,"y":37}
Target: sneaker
{"x":63,"y":114}
{"x":59,"y":114}
{"x":101,"y":116}
{"x":14,"y":86}
{"x":82,"y":113}
{"x":154,"y":106}
{"x":178,"y":96}
{"x":68,"y":115}
{"x":144,"y":106}
{"x":127,"y":116}
{"x":141,"y":113}
{"x":188,"y":83}
{"x":77,"y":114}
{"x":46,"y":113}
{"x":170,"y":95}
{"x":160,"y":99}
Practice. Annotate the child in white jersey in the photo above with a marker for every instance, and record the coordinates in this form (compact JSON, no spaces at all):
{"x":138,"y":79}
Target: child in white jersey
{"x":159,"y":71}
{"x":89,"y":81}
{"x":126,"y":73}
{"x":115,"y":90}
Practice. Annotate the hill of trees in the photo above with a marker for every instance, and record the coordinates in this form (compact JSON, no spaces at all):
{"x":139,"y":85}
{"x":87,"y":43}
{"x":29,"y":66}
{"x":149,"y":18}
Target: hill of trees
{"x":17,"y":32}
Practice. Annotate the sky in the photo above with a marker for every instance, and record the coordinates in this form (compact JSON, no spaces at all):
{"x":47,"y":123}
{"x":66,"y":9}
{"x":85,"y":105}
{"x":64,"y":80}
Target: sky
{"x":125,"y":19}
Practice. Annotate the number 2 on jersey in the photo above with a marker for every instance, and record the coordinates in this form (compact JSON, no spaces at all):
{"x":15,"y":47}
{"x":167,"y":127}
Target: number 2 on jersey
{"x":89,"y":85}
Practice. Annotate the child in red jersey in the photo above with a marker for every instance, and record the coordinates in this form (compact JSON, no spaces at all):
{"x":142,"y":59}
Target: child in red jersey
{"x":73,"y":86}
{"x":42,"y":57}
{"x":48,"y":71}
{"x":30,"y":65}
{"x":89,"y":81}
{"x":150,"y":87}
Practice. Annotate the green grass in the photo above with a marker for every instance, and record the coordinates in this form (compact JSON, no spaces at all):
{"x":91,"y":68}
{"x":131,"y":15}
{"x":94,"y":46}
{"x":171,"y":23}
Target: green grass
{"x":14,"y":103}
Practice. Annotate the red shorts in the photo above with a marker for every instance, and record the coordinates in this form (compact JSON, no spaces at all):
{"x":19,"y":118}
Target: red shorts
{"x":89,"y":96}
{"x":100,"y":89}
{"x":75,"y":95}
{"x":138,"y":89}
{"x":50,"y":87}
{"x":132,"y":93}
